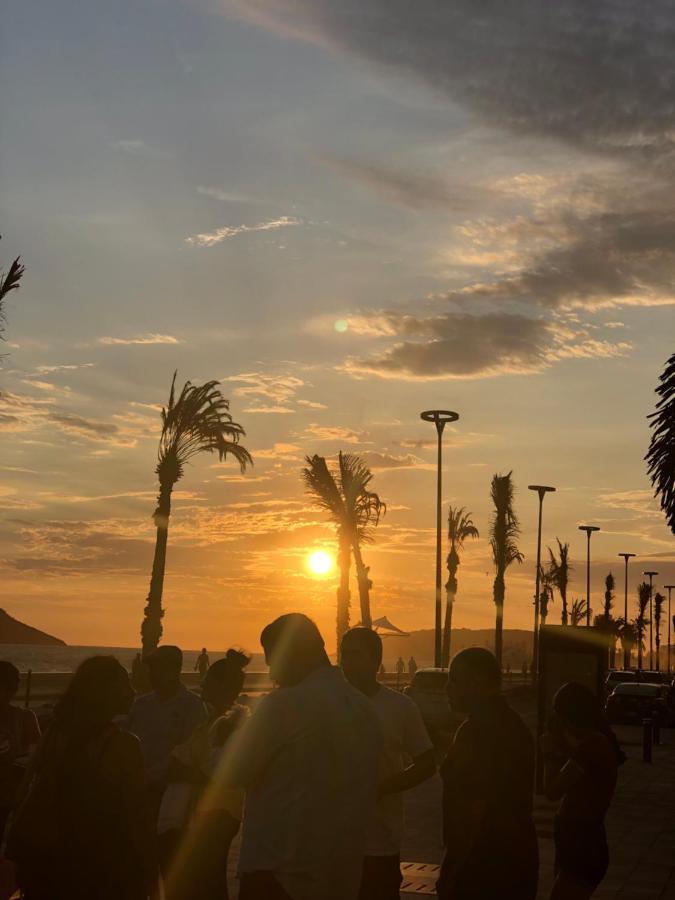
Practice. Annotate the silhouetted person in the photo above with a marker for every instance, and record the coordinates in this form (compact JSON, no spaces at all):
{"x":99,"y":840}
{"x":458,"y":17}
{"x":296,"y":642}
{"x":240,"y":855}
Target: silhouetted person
{"x":582,"y":756}
{"x":199,"y":871}
{"x":203,"y":663}
{"x":412,"y":666}
{"x":82,"y":827}
{"x":407,"y":760}
{"x":488,"y":776}
{"x":19,"y":734}
{"x":309,"y":760}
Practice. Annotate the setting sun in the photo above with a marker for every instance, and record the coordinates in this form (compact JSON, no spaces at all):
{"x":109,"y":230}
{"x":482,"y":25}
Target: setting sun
{"x":320,"y":563}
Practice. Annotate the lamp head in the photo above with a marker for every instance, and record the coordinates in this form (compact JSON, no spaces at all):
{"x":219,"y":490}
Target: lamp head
{"x":541,"y":489}
{"x":440,"y":417}
{"x":589,"y":528}
{"x":650,"y":574}
{"x":626,"y":556}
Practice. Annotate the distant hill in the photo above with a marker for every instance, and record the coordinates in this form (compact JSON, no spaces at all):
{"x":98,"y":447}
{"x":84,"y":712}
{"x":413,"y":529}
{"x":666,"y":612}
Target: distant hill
{"x":420,"y":644}
{"x":14,"y":632}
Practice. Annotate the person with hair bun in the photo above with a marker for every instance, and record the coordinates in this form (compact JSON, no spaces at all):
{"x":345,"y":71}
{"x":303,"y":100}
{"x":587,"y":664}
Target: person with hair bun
{"x":582,"y":756}
{"x":211,"y":815}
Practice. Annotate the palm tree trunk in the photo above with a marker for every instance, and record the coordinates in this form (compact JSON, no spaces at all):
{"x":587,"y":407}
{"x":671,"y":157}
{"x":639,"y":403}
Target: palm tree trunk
{"x":343,"y":595}
{"x":498,"y":593}
{"x":365,"y":584}
{"x":447,"y":628}
{"x":151,"y":627}
{"x":640,"y":653}
{"x":564,"y":617}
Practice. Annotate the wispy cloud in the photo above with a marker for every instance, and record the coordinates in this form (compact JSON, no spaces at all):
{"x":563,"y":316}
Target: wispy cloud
{"x":225,"y":196}
{"x":140,"y":339}
{"x":65,"y":367}
{"x":336,"y":433}
{"x":210,"y":238}
{"x":267,"y":410}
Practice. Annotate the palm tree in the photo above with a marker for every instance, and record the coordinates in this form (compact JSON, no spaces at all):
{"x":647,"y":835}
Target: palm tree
{"x":641,"y":621}
{"x":559,"y":573}
{"x":545,"y":595}
{"x":504,"y":531}
{"x":606,"y":621}
{"x":659,"y":600}
{"x":628,"y":638}
{"x":354,"y":509}
{"x":9,"y":282}
{"x":661,"y":454}
{"x":460,"y":527}
{"x":197,"y":421}
{"x":577,"y":612}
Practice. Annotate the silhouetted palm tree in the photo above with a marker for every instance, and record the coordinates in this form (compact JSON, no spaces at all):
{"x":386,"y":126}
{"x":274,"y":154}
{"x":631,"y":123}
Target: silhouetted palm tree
{"x":578,"y":612}
{"x":628,"y":638}
{"x":661,"y":454}
{"x":9,"y":282}
{"x":460,"y":527}
{"x":197,"y":421}
{"x":354,"y":510}
{"x":504,"y":531}
{"x":559,"y":573}
{"x":659,"y":600}
{"x":545,"y":594}
{"x":606,"y":621}
{"x":641,"y":621}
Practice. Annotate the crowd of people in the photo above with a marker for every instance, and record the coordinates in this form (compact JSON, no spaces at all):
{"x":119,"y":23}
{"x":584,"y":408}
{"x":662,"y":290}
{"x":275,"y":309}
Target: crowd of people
{"x":130,"y":797}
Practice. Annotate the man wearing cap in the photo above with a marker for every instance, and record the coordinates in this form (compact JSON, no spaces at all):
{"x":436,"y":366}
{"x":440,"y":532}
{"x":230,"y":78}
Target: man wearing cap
{"x":164,"y":718}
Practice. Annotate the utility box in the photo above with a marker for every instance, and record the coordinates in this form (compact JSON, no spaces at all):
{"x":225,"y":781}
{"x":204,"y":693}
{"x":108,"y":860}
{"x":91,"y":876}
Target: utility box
{"x":567,"y":653}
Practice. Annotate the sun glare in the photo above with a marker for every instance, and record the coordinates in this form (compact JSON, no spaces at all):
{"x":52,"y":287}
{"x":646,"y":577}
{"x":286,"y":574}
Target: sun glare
{"x":320,"y":563}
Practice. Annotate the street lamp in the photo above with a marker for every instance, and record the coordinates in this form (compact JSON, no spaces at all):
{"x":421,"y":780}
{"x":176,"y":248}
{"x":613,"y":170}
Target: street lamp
{"x":651,"y":616}
{"x":669,"y":588}
{"x":541,"y":490}
{"x":440,"y":418}
{"x":626,"y":653}
{"x":589,"y":529}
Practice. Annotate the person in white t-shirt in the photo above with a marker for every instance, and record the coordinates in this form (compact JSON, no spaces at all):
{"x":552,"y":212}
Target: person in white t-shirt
{"x":407,"y":760}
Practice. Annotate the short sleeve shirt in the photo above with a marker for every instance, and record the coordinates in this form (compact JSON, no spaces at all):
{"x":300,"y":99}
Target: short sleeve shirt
{"x":405,"y":737}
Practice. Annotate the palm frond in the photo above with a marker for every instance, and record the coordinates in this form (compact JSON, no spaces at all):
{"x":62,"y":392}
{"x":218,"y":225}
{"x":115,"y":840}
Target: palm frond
{"x":9,"y":282}
{"x":198,"y":421}
{"x":504,"y":528}
{"x":320,"y":483}
{"x":661,"y":454}
{"x":460,"y":526}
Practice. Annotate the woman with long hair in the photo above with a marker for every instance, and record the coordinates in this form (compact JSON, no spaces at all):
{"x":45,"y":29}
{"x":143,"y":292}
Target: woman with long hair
{"x":81,"y":827}
{"x":199,"y":869}
{"x":582,"y":756}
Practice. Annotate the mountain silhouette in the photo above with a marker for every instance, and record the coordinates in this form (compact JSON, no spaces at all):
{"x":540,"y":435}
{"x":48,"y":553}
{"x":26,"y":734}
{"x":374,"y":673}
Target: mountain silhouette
{"x":14,"y":632}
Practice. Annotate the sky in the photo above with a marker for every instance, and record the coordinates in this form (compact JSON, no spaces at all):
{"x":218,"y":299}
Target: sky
{"x":346,"y":213}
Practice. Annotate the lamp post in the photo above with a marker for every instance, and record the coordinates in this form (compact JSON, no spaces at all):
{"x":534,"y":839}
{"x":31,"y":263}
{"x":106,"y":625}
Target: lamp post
{"x":541,"y":490}
{"x":669,"y":588}
{"x":440,"y":418}
{"x":626,"y":653}
{"x":651,"y":575}
{"x":589,"y":529}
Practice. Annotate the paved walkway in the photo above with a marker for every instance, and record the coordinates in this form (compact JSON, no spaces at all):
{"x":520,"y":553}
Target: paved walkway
{"x":640,"y":825}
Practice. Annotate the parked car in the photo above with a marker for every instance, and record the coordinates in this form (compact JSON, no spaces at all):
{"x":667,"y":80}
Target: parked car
{"x":619,"y":676}
{"x":652,"y":677}
{"x":429,"y":690}
{"x":630,"y":703}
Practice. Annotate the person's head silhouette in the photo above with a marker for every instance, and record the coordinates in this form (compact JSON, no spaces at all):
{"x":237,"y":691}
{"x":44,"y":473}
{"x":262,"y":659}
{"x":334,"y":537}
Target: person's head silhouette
{"x":293,"y":648}
{"x":474,"y":678}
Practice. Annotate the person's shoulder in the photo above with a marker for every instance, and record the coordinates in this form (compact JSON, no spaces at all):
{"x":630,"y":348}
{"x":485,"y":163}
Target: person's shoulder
{"x":395,"y":700}
{"x":189,"y":698}
{"x":141,"y":701}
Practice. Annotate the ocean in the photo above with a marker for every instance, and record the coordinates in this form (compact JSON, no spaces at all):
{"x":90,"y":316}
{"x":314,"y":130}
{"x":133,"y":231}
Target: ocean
{"x":66,"y":659}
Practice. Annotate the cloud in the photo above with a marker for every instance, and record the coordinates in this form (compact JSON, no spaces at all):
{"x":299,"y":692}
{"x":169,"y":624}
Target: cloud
{"x":278,"y":451}
{"x":81,"y":427}
{"x":140,"y":339}
{"x":336,"y":433}
{"x":209,"y":239}
{"x":382,"y":461}
{"x":67,"y":367}
{"x":514,"y":63}
{"x":268,"y":410}
{"x":312,"y":404}
{"x":638,"y":501}
{"x":225,"y":196}
{"x":279,"y":388}
{"x":136,"y":147}
{"x":412,"y":190}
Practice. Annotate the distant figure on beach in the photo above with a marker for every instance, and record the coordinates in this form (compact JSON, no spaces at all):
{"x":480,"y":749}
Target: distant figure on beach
{"x":138,"y":673}
{"x":202,"y":664}
{"x":488,"y":775}
{"x":82,"y":826}
{"x":199,"y":870}
{"x":407,"y":760}
{"x":581,"y":759}
{"x":412,"y":666}
{"x":309,"y":760}
{"x":400,"y":666}
{"x":163,"y":719}
{"x":19,"y":734}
